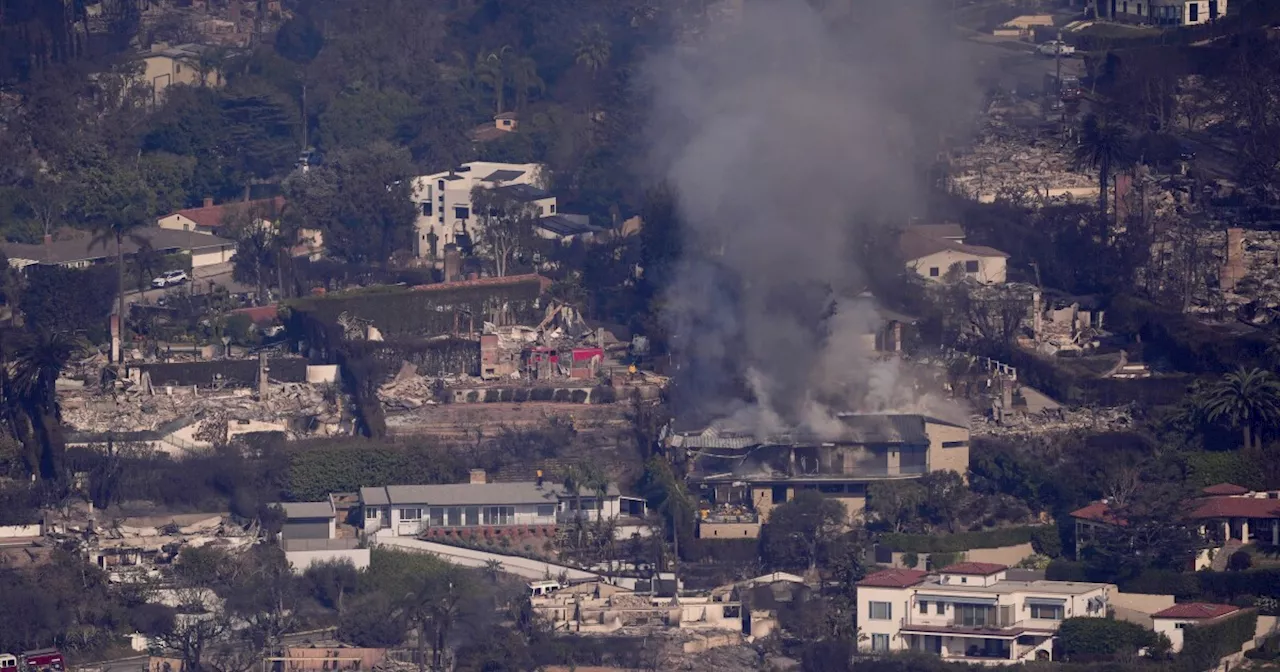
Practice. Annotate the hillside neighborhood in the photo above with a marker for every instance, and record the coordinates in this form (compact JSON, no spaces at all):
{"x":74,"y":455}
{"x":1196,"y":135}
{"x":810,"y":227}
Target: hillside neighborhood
{"x":776,"y":335}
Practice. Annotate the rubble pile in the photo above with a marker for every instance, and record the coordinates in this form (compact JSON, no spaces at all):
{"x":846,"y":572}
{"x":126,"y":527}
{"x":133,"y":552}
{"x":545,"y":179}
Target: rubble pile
{"x":1256,"y":296}
{"x":407,"y":390}
{"x":132,"y":410}
{"x":1052,"y":421}
{"x":1013,"y":160}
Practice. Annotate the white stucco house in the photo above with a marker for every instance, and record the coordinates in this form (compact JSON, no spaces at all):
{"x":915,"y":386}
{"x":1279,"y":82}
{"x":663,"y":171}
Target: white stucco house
{"x":971,"y":612}
{"x":443,"y":199}
{"x":1172,"y":622}
{"x":1163,"y":12}
{"x":411,"y":510}
{"x":933,"y":250}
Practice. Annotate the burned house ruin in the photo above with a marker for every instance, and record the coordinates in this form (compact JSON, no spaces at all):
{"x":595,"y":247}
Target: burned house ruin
{"x":742,"y":477}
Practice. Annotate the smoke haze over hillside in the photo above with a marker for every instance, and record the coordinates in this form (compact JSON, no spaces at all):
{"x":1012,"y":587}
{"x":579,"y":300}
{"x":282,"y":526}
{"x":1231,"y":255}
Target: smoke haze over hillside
{"x":785,"y":136}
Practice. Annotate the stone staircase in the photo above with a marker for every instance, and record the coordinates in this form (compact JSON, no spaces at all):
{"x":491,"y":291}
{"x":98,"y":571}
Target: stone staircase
{"x":1222,"y":555}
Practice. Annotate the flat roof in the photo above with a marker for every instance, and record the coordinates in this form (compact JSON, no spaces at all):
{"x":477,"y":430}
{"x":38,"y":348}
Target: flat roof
{"x":1006,"y":587}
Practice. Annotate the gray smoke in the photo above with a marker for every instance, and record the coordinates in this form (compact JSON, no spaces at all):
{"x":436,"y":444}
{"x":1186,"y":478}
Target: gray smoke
{"x":786,"y":136}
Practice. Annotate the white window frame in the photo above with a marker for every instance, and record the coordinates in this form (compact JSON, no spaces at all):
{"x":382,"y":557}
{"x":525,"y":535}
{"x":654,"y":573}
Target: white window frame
{"x":887,"y":614}
{"x":411,"y":514}
{"x":879,"y":642}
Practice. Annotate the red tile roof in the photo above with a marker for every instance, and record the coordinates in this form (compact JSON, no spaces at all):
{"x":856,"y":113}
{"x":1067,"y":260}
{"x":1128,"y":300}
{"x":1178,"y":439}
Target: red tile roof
{"x":1098,"y":512}
{"x":1225,"y":489}
{"x":1204,"y":508}
{"x":485,"y":282}
{"x":1195,"y":610}
{"x":259,"y":314}
{"x":1236,"y":507}
{"x":893,"y":578}
{"x":212,"y":216}
{"x":973,"y":568}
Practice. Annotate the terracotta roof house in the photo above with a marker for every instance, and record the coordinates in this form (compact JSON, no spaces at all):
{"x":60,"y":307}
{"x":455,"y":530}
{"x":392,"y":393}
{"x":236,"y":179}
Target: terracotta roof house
{"x":971,"y":612}
{"x":1222,"y":513}
{"x":209,"y":218}
{"x":1172,"y":622}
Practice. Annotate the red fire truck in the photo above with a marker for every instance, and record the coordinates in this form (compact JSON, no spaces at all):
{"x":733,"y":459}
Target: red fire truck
{"x":42,"y":660}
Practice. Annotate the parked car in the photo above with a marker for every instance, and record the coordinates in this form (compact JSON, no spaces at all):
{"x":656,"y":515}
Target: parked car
{"x":169,"y":278}
{"x":1056,"y":48}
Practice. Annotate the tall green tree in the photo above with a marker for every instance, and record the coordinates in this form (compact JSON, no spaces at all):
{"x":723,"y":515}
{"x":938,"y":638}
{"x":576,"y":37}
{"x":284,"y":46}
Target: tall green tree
{"x":800,"y":532}
{"x":360,"y":198}
{"x":1104,"y":147}
{"x":1245,"y":398}
{"x":668,"y":496}
{"x":118,"y":204}
{"x":593,"y":49}
{"x":37,"y":363}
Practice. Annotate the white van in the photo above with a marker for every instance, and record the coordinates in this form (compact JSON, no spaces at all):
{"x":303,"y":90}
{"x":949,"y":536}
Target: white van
{"x":8,"y":662}
{"x":539,"y":588}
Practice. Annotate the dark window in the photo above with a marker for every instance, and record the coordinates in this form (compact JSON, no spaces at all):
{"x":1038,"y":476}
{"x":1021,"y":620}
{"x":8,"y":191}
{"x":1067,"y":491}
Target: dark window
{"x":553,"y":208}
{"x":461,"y":213}
{"x":426,"y":209}
{"x":831,"y":489}
{"x":779,"y":494}
{"x":924,"y":607}
{"x":1195,"y":12}
{"x":440,"y":183}
{"x":942,"y":608}
{"x":933,"y":271}
{"x":970,"y":267}
{"x":954,"y":444}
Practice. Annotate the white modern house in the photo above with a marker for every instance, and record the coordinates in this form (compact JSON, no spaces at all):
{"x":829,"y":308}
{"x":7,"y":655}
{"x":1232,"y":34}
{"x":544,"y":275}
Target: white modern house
{"x":1172,"y":622}
{"x":971,"y":612}
{"x":443,"y":199}
{"x":411,"y":510}
{"x":933,"y":250}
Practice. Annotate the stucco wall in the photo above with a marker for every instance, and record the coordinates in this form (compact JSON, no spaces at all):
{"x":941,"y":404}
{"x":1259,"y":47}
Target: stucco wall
{"x":954,"y":459}
{"x":728,"y":530}
{"x":301,"y":560}
{"x":15,"y":531}
{"x":990,"y":269}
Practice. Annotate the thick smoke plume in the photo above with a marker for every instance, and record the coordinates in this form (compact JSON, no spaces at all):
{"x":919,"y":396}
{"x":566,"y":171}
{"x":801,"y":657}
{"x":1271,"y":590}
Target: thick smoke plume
{"x":788,"y":136}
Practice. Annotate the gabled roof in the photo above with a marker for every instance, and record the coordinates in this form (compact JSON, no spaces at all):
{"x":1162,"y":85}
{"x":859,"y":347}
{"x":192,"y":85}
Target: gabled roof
{"x":1098,"y":512}
{"x":295,"y":510}
{"x":80,"y":245}
{"x":1226,"y":489}
{"x":1196,"y":611}
{"x":974,"y":568}
{"x":949,"y":230}
{"x":894,"y":578}
{"x":917,"y":246}
{"x":213,"y":216}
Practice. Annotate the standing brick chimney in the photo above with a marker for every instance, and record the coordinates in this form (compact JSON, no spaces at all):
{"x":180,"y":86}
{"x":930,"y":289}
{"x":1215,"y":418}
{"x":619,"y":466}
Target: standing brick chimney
{"x":478,"y":477}
{"x":208,"y":201}
{"x":452,"y":263}
{"x":1233,"y":268}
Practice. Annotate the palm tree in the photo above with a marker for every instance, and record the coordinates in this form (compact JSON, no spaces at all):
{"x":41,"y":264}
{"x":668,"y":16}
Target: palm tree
{"x":147,"y":262}
{"x":433,"y":609}
{"x":122,"y":207}
{"x":673,"y":501}
{"x":593,"y":49}
{"x":1245,"y":398}
{"x":1104,"y":147}
{"x":31,"y":386}
{"x":524,"y":76}
{"x":491,"y":69}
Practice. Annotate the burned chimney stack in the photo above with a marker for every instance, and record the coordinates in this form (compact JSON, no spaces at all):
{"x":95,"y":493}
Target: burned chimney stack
{"x":452,"y":263}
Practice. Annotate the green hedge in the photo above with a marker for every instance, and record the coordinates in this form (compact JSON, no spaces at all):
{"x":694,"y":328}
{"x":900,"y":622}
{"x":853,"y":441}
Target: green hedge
{"x":1203,"y":645}
{"x":962,"y":541}
{"x":1095,"y":637}
{"x":346,"y":465}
